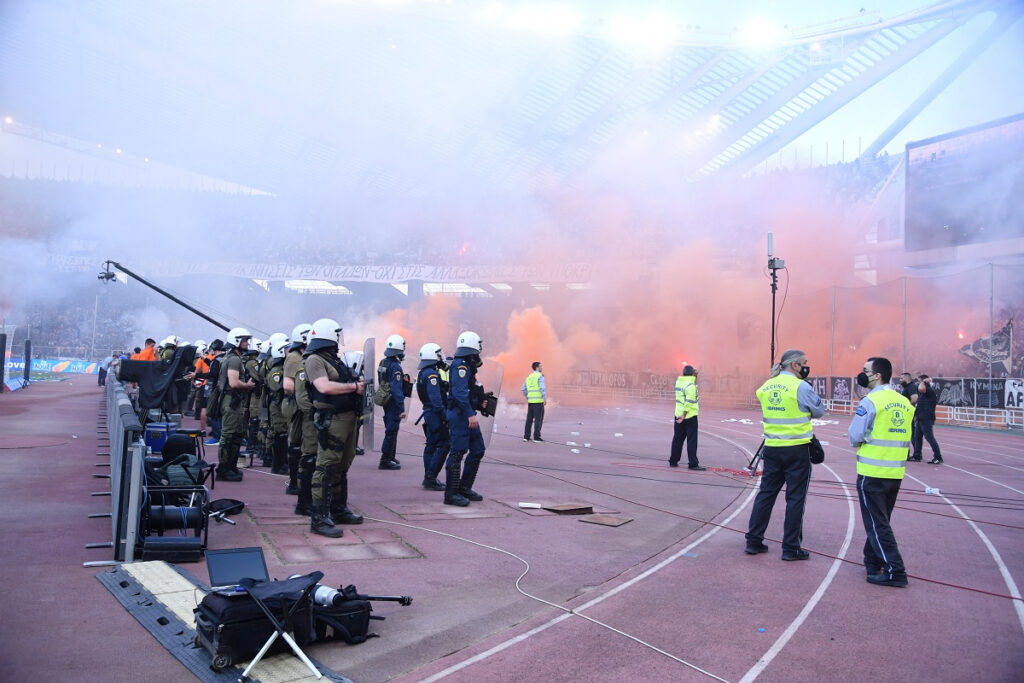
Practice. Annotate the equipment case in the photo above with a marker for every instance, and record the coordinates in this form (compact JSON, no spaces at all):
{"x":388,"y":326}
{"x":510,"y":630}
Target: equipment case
{"x":233,"y":629}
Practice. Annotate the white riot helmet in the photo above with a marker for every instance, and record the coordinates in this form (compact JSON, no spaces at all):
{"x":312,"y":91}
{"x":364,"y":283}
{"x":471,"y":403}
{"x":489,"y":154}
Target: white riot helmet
{"x":469,"y":344}
{"x":255,"y":346}
{"x":236,"y":335}
{"x":323,"y":333}
{"x":394,"y":346}
{"x":278,"y":344}
{"x":299,"y":334}
{"x":354,"y":360}
{"x":170,"y":340}
{"x":430,"y":354}
{"x":200,"y":346}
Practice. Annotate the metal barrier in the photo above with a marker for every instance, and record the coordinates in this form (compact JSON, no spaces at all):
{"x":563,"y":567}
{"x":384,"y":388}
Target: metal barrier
{"x":126,"y":461}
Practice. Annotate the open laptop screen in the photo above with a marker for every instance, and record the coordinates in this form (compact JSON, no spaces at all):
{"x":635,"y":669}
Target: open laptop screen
{"x":229,"y":566}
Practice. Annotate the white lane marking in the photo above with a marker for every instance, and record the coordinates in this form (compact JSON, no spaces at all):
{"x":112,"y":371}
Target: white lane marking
{"x":991,"y":481}
{"x":795,"y":625}
{"x":1011,"y":585}
{"x":543,"y":627}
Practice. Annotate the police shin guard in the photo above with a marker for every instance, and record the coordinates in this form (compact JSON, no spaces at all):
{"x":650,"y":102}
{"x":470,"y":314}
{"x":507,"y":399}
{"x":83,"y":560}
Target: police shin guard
{"x":320,"y":522}
{"x":387,"y":458}
{"x":451,"y":486}
{"x":468,"y":477}
{"x":339,"y":507}
{"x":294,"y":455}
{"x":280,"y":464}
{"x":433,"y":460}
{"x":304,"y":505}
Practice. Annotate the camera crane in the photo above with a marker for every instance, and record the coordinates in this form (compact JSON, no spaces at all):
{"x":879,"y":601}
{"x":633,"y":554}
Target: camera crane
{"x":107,"y":275}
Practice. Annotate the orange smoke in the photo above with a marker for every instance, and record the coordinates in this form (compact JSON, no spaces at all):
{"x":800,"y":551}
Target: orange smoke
{"x":532,"y":337}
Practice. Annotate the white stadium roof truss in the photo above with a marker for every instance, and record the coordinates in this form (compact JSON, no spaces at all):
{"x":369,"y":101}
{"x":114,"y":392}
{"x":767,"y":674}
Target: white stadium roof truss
{"x":551,"y":106}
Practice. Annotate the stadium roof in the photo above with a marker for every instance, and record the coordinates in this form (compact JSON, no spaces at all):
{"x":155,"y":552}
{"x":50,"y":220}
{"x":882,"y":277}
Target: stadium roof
{"x":414,"y":99}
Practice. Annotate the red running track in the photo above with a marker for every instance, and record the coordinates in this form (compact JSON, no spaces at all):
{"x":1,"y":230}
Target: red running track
{"x":670,"y":596}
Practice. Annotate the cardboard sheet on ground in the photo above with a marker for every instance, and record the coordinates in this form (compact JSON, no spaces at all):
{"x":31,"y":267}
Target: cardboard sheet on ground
{"x":606,"y":520}
{"x":570,"y":508}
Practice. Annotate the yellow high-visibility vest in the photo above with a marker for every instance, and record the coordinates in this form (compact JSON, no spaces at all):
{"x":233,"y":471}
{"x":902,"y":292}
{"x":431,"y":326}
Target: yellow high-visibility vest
{"x":785,"y":424}
{"x":686,"y":396}
{"x":533,"y":392}
{"x":884,"y":453}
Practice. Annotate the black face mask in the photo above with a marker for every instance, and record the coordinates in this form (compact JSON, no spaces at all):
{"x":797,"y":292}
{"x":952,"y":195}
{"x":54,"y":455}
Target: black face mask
{"x":862,"y":380}
{"x":804,"y":371}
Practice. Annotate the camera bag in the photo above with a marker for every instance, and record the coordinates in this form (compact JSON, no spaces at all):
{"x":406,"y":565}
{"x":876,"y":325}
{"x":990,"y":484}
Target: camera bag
{"x":233,"y":629}
{"x":349,"y":621}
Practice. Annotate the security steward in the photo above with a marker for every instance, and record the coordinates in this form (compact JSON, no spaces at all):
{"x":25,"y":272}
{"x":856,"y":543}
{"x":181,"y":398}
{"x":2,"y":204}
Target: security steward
{"x":787,"y":405}
{"x":465,"y":398}
{"x":432,"y":389}
{"x":881,"y":431}
{"x":337,"y":398}
{"x":273,"y":375}
{"x":390,"y":372}
{"x":298,"y":445}
{"x":234,"y":390}
{"x":685,"y":427}
{"x":536,"y":392}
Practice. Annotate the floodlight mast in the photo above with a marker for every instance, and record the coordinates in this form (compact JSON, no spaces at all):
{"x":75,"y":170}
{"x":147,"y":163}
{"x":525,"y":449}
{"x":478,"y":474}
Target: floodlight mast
{"x":107,"y":275}
{"x":774,"y":265}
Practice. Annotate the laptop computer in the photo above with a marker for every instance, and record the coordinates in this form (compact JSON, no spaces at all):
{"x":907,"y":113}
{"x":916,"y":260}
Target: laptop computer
{"x":227,"y":568}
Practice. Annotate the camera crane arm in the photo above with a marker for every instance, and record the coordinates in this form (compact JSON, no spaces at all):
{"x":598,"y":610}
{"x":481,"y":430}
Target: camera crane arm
{"x":107,"y":275}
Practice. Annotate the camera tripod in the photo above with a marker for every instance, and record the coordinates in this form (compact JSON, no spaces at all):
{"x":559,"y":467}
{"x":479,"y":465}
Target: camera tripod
{"x":756,"y":460}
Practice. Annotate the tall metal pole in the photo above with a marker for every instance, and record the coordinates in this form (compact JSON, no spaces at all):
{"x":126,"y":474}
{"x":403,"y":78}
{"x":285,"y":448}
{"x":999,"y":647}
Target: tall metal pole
{"x":904,"y":323}
{"x":832,"y":341}
{"x":92,"y":344}
{"x":775,"y":287}
{"x":991,"y":316}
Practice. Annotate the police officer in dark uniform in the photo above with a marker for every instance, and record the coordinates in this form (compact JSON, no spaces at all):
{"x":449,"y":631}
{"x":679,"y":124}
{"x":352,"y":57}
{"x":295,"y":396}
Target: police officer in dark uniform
{"x":296,"y":416}
{"x":274,"y":387}
{"x":432,"y":389}
{"x":465,"y":399}
{"x":234,"y":391}
{"x":390,"y":371}
{"x":337,"y":397}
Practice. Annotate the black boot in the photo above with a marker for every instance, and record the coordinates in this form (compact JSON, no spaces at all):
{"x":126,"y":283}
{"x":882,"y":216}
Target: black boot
{"x":430,"y":482}
{"x":321,"y":524}
{"x":468,"y":477}
{"x":387,"y":452}
{"x":280,"y":464}
{"x":320,"y":521}
{"x":304,"y":505}
{"x":339,"y":507}
{"x":451,"y":486}
{"x":294,"y":455}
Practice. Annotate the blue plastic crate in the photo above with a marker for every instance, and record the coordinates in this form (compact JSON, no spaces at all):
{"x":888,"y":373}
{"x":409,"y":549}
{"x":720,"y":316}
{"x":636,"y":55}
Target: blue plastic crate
{"x":156,"y":435}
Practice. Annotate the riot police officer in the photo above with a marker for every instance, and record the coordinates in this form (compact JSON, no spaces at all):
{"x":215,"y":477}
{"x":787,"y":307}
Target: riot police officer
{"x":297,"y":409}
{"x":465,"y":399}
{"x":432,"y":389}
{"x":390,"y":372}
{"x":273,"y":376}
{"x":255,"y":440}
{"x":234,"y":391}
{"x":337,"y":397}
